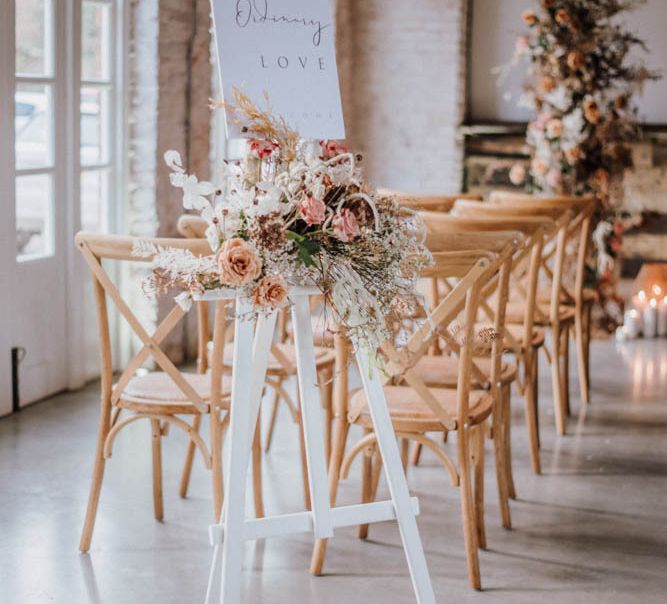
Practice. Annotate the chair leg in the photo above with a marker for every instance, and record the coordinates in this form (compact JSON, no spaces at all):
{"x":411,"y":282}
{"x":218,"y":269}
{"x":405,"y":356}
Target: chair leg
{"x":416,"y":454}
{"x":272,"y":420}
{"x":500,"y":451}
{"x":587,"y":349}
{"x":217,"y":428}
{"x":96,"y":483}
{"x":565,"y":368}
{"x":556,"y":381}
{"x":257,"y":470}
{"x":477,"y":454}
{"x":156,"y":433}
{"x":507,"y":440}
{"x":468,"y":509}
{"x":341,"y":429}
{"x":531,"y":409}
{"x":375,"y":473}
{"x":405,"y":453}
{"x":189,"y":457}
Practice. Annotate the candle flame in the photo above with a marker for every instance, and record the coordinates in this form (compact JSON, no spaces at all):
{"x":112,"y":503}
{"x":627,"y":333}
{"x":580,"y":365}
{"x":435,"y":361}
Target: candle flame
{"x":642,"y":295}
{"x":653,"y":302}
{"x":657,"y":290}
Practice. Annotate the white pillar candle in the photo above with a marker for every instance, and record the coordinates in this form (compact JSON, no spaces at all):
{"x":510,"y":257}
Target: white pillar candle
{"x":650,"y":317}
{"x":639,"y":301}
{"x":662,"y":317}
{"x":631,"y":324}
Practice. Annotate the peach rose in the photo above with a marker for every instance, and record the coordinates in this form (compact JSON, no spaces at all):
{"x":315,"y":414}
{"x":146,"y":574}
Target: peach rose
{"x":573,"y":154}
{"x":237,"y":262}
{"x":345,"y":225}
{"x":271,"y":292}
{"x":562,"y":17}
{"x":312,"y":210}
{"x":554,"y":128}
{"x":548,"y":84}
{"x":517,"y":174}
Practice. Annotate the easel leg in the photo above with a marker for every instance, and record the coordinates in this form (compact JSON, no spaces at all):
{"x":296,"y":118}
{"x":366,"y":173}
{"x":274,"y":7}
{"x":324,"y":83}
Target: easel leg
{"x":386,"y":440}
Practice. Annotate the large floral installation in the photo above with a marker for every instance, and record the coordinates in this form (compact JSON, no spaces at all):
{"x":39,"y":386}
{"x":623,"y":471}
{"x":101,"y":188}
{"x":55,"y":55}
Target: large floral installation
{"x":297,"y":212}
{"x":581,"y":86}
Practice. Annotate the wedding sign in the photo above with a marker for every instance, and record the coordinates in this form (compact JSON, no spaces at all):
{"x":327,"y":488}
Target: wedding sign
{"x":283,"y":48}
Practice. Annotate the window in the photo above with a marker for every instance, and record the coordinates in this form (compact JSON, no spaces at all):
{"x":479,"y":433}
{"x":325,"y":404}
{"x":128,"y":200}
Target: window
{"x":34,"y":129}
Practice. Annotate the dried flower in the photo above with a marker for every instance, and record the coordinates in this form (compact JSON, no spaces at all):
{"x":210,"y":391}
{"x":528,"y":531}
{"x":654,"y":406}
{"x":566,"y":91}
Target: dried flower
{"x":268,"y":232}
{"x":261,"y":149}
{"x":331,"y":149}
{"x":591,"y":111}
{"x":270,"y":292}
{"x":237,"y":262}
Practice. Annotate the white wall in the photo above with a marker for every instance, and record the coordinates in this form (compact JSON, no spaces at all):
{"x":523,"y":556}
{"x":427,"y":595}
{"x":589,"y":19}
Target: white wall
{"x":497,"y":23}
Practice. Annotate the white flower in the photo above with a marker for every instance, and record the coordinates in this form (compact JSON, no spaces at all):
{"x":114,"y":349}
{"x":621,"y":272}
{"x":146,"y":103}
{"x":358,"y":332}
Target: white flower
{"x":559,"y":97}
{"x":173,"y":160}
{"x":184,"y":300}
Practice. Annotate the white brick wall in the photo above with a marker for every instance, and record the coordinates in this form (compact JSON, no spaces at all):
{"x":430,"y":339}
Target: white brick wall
{"x":402,"y":75}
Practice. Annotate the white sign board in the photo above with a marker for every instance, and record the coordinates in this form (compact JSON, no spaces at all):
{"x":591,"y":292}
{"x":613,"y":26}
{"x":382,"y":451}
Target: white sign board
{"x":284,"y":48}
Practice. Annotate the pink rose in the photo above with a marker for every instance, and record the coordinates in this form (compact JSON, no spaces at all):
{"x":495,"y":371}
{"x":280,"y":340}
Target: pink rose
{"x":554,"y":178}
{"x":237,"y":262}
{"x":345,"y":225}
{"x":332,"y":149}
{"x":262,"y":148}
{"x":312,"y":210}
{"x":539,"y":166}
{"x":554,"y":128}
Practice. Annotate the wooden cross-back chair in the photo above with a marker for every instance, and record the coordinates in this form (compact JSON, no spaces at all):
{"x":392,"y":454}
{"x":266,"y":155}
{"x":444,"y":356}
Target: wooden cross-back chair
{"x":556,"y":317}
{"x":157,"y":396}
{"x":417,"y":408}
{"x":282,"y":366}
{"x":522,"y":339}
{"x":578,"y":235}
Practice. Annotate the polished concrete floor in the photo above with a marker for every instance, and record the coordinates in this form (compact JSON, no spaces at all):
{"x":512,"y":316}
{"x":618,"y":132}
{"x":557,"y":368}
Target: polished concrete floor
{"x":592,"y":528}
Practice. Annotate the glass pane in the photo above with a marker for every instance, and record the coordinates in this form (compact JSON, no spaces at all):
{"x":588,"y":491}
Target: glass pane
{"x":33,"y":37}
{"x":95,"y":40}
{"x":94,"y":126}
{"x":34,"y":216}
{"x":95,"y":200}
{"x":33,"y":123}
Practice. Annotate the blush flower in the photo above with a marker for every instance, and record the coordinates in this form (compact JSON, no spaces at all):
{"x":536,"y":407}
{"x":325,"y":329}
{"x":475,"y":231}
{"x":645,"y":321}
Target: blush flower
{"x":539,"y":166}
{"x":312,"y":210}
{"x":331,"y":149}
{"x":554,"y":178}
{"x":554,"y":128}
{"x":345,"y":225}
{"x":261,"y":149}
{"x":271,"y":292}
{"x":517,"y":174}
{"x":522,"y":46}
{"x":237,"y":262}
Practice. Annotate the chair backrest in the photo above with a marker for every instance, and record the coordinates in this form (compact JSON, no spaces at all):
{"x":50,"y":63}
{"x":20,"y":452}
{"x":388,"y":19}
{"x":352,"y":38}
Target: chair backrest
{"x":95,"y":248}
{"x":471,"y":269}
{"x":554,"y":249}
{"x":434,"y":203}
{"x":579,"y":229}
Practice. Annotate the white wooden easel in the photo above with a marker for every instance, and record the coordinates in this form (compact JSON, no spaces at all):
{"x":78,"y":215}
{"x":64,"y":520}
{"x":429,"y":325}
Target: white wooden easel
{"x":251,"y":356}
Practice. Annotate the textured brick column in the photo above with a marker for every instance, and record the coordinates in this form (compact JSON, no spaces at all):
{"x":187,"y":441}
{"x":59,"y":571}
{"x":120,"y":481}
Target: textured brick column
{"x":402,"y":69}
{"x":169,"y":78}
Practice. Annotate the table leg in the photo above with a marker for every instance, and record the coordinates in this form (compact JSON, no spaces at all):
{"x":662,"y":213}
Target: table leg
{"x":386,"y":440}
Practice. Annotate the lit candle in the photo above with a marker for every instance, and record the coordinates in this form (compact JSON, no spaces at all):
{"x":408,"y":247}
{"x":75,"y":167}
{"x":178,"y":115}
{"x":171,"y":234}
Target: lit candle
{"x":657,"y":291}
{"x":631,"y":324}
{"x":662,"y":318}
{"x":650,"y":316}
{"x":639,"y":301}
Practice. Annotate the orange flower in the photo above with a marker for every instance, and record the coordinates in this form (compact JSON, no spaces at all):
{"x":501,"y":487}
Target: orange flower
{"x":548,"y":84}
{"x":529,"y":17}
{"x":562,"y":17}
{"x":576,"y":60}
{"x":271,"y":292}
{"x":573,"y":155}
{"x":591,"y":111}
{"x":237,"y":262}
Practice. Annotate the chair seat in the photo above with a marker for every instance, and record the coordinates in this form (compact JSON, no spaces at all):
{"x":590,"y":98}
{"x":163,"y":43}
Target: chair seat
{"x":156,"y":392}
{"x":589,"y":296}
{"x":443,"y":371}
{"x":409,"y":413}
{"x":516,"y":331}
{"x":516,"y":312}
{"x":323,"y":357}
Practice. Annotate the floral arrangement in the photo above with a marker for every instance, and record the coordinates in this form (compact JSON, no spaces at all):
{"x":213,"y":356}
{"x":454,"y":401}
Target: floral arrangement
{"x":292,"y":213}
{"x":581,"y":87}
